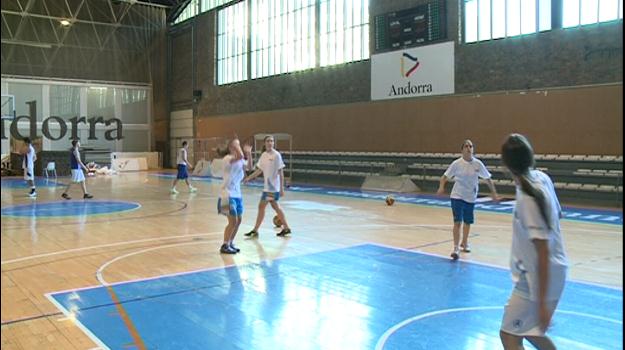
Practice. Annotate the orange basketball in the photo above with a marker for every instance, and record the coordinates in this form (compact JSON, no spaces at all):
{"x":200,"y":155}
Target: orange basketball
{"x":276,"y":221}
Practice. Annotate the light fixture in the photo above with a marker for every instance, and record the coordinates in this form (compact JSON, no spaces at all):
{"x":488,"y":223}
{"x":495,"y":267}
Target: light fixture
{"x":65,"y":22}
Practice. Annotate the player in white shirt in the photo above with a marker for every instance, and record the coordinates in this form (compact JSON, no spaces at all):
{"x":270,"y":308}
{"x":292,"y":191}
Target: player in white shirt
{"x":466,"y":172}
{"x":271,"y":166}
{"x":183,"y":164}
{"x":28,"y":164}
{"x":230,"y":202}
{"x":538,"y":260}
{"x":76,"y":167}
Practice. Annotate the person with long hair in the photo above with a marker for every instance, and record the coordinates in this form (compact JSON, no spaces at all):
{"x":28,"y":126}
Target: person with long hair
{"x":271,"y":166}
{"x":466,"y":172}
{"x":230,"y":202}
{"x":538,"y":260}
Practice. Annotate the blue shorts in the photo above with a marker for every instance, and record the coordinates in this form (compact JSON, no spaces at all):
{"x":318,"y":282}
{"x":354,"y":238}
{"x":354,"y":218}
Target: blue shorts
{"x":234,"y":207}
{"x":463,"y":211}
{"x":182,"y":172}
{"x":270,"y":196}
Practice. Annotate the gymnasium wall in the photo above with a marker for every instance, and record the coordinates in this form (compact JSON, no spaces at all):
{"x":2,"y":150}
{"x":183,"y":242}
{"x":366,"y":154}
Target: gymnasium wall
{"x":500,"y":88}
{"x":567,"y":121}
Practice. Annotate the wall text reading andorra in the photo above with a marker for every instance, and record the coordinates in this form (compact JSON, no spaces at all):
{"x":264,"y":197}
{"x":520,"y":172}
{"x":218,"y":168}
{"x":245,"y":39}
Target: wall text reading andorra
{"x":110,"y":134}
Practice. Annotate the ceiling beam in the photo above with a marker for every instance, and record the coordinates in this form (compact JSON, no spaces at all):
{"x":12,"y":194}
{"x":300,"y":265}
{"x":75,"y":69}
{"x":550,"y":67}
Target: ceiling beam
{"x":73,"y":20}
{"x":145,"y":3}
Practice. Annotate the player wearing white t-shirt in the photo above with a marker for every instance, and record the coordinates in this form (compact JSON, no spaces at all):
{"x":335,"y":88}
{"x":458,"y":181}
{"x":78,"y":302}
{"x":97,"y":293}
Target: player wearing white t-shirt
{"x":76,"y":167}
{"x":28,"y":164}
{"x":230,"y":202}
{"x":183,"y":164}
{"x":538,"y":260}
{"x":466,"y":172}
{"x":271,"y":166}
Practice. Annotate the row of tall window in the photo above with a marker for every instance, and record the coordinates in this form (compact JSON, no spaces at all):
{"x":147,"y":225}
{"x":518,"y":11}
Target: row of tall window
{"x":260,"y":38}
{"x":283,"y":36}
{"x":495,"y":19}
{"x":195,"y":7}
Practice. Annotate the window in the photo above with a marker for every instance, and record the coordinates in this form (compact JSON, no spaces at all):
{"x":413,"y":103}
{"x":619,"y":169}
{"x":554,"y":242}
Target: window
{"x":65,"y":101}
{"x":207,"y":5}
{"x":232,"y":44}
{"x":494,"y":19}
{"x":195,"y":7}
{"x":190,"y":11}
{"x":581,"y":12}
{"x":283,"y":36}
{"x":344,"y":31}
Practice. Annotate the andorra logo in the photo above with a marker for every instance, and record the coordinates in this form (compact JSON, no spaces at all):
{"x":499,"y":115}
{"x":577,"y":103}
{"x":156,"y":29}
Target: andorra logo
{"x":114,"y":133}
{"x":406,"y":61}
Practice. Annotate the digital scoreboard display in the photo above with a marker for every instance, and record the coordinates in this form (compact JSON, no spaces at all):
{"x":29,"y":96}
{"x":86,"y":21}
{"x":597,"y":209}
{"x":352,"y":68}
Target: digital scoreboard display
{"x":417,"y":26}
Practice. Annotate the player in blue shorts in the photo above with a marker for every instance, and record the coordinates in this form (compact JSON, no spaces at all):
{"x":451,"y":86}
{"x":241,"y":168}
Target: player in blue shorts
{"x":465,"y":171}
{"x":230,"y":201}
{"x":183,"y":165}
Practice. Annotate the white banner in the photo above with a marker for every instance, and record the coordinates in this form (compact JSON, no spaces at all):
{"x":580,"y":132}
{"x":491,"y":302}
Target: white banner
{"x":422,"y":71}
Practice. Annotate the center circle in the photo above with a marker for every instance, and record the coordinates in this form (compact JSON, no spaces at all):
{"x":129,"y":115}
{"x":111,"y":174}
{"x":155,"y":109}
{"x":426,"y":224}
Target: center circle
{"x":69,"y":208}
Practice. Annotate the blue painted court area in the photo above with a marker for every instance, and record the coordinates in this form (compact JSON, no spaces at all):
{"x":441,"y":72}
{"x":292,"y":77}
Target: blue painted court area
{"x":21,"y":183}
{"x":614,"y":217}
{"x":68,"y":208}
{"x":362,"y":297}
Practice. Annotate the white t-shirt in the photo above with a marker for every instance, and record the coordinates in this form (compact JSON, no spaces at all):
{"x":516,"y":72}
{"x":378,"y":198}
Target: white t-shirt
{"x":466,"y":176}
{"x":528,"y":224}
{"x":29,"y":158}
{"x":271,"y":163}
{"x":233,"y":175}
{"x":182,"y":155}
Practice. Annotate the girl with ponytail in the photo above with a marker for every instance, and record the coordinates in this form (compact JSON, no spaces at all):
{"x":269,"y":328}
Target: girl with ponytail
{"x":538,"y":261}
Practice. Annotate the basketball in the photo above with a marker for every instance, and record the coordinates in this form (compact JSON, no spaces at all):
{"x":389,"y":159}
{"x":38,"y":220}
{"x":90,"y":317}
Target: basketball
{"x":276,"y":221}
{"x":389,"y":200}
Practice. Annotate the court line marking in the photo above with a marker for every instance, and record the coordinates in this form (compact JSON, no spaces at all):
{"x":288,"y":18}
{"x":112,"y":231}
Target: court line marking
{"x":30,"y":318}
{"x":44,"y":219}
{"x":384,"y":338}
{"x":96,"y":340}
{"x":103,"y":267}
{"x":130,"y":326}
{"x":77,"y":322}
{"x":197,"y":270}
{"x":60,"y":252}
{"x":390,"y":331}
{"x":116,"y":244}
{"x":329,"y":191}
{"x":207,"y":268}
{"x":488,"y":265}
{"x":475,"y":226}
{"x":101,"y":202}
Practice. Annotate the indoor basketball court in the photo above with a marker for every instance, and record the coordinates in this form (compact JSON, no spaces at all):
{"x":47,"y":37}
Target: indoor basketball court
{"x":366,"y":105}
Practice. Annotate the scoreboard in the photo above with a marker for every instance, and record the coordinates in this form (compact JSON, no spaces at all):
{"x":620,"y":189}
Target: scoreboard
{"x":417,"y":26}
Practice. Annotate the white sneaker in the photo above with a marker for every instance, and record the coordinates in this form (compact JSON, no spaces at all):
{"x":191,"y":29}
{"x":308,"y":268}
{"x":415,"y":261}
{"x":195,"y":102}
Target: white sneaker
{"x":174,"y":191}
{"x":32,"y":194}
{"x":192,"y":189}
{"x":455,"y":254}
